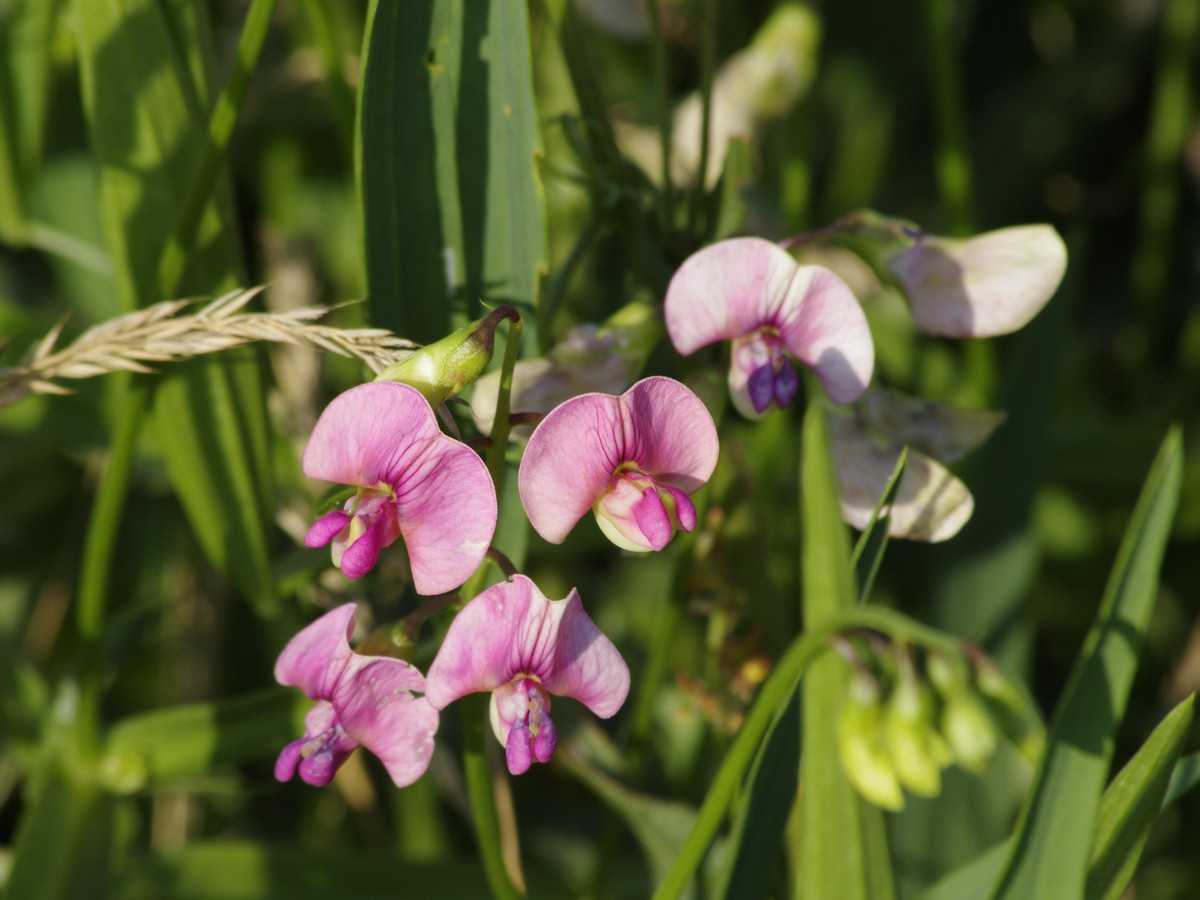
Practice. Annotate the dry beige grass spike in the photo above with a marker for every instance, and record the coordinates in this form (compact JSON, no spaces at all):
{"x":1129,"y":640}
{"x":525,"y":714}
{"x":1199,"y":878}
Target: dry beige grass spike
{"x":159,"y":334}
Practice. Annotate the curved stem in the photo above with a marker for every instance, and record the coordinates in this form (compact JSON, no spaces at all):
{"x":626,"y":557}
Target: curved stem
{"x":775,"y":690}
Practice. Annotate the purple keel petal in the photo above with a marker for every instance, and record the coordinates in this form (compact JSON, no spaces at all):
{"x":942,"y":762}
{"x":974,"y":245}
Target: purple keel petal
{"x":569,"y":461}
{"x":725,"y":291}
{"x":518,"y":750}
{"x":823,"y":326}
{"x":314,"y":659}
{"x":546,"y":741}
{"x":326,"y":528}
{"x":652,"y":519}
{"x":289,"y":758}
{"x":377,"y":707}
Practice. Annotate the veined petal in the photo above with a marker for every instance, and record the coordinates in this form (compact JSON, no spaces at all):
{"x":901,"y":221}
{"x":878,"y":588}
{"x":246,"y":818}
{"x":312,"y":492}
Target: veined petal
{"x":823,"y":326}
{"x":617,"y":518}
{"x":568,"y":462}
{"x":988,"y":285}
{"x":378,"y":704}
{"x":726,"y":290}
{"x":446,"y":510}
{"x":369,"y":434}
{"x":670,"y":435}
{"x":315,"y":658}
{"x":931,"y":505}
{"x":482,"y":648}
{"x":586,"y":666}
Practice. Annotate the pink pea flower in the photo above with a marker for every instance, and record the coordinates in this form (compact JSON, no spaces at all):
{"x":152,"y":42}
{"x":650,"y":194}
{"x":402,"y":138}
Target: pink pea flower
{"x":370,"y":700}
{"x":634,"y":460}
{"x":513,"y":641}
{"x":413,"y":481}
{"x":753,"y":293}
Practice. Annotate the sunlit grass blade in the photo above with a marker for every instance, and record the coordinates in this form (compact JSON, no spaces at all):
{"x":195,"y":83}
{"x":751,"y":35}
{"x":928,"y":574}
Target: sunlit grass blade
{"x":1049,"y":857}
{"x":1132,"y":803}
{"x":868,"y":552}
{"x":1184,"y":777}
{"x":844,"y":852}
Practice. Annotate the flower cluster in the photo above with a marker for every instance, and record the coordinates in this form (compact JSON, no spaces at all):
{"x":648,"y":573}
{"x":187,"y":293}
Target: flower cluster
{"x":635,"y":461}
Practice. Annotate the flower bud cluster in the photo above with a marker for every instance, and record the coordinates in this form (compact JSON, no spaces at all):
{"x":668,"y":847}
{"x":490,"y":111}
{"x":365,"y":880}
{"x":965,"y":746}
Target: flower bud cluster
{"x":910,"y":714}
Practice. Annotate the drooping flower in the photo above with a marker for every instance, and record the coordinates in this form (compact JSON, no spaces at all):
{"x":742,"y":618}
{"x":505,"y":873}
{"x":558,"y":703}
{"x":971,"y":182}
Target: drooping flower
{"x":931,"y":503}
{"x":413,"y":482}
{"x":375,"y":701}
{"x":634,"y":460}
{"x":513,"y":641}
{"x":983,"y":286}
{"x":753,"y":293}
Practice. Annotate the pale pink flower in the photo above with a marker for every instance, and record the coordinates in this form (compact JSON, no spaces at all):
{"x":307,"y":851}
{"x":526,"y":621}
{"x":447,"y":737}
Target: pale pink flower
{"x":375,"y":701}
{"x":753,"y":293}
{"x":413,"y":482}
{"x":513,"y":641}
{"x":634,"y":460}
{"x":983,"y":286}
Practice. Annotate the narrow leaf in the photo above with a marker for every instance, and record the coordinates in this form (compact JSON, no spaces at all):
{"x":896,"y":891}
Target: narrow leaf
{"x":868,"y":552}
{"x":844,"y":851}
{"x":1185,"y":777}
{"x":1132,"y":803}
{"x":1049,"y":857}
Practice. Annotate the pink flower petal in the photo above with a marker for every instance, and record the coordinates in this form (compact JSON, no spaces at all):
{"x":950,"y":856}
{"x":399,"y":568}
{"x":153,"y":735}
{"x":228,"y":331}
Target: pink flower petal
{"x":724,"y":291}
{"x":446,"y":510}
{"x":518,"y":751}
{"x":586,"y":666}
{"x":670,"y":434}
{"x":652,"y":519}
{"x":314,"y":659}
{"x":568,"y":462}
{"x":369,"y":434}
{"x":616,"y":514}
{"x":377,"y":707}
{"x":823,"y":326}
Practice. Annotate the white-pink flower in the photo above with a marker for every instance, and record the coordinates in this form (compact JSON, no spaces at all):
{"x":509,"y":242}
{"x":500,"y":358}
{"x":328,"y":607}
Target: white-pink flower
{"x":513,"y":641}
{"x":413,"y":482}
{"x":375,"y":701}
{"x":634,"y":460}
{"x":983,"y":286}
{"x":753,"y":293}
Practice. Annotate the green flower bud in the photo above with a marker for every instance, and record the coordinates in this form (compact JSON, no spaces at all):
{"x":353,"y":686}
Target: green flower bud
{"x":863,"y":748}
{"x":966,"y":725}
{"x":442,"y":369}
{"x":917,"y":750}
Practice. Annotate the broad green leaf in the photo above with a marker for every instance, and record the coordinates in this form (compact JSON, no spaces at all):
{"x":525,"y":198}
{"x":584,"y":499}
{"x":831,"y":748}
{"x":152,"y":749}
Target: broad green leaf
{"x":1049,"y":857}
{"x":145,"y":105}
{"x":448,"y":146}
{"x":194,"y":739}
{"x":844,"y":852}
{"x":1132,"y":803}
{"x":756,"y":844}
{"x":868,"y":552}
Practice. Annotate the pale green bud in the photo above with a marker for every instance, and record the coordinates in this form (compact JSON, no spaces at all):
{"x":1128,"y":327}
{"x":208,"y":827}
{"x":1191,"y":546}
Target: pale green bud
{"x":863,"y":748}
{"x":917,"y":750}
{"x":442,"y":369}
{"x":966,"y":725}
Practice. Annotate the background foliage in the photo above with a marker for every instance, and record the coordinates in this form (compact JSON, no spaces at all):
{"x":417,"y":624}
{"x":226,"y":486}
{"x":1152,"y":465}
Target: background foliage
{"x":457,"y":153}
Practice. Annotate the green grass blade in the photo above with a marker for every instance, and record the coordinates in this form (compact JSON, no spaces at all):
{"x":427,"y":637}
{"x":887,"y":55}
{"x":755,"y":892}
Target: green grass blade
{"x":756,"y":845}
{"x":1132,"y":803}
{"x":844,"y":852}
{"x":1050,"y":855}
{"x":447,"y":152}
{"x":868,"y":552}
{"x":1185,"y":776}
